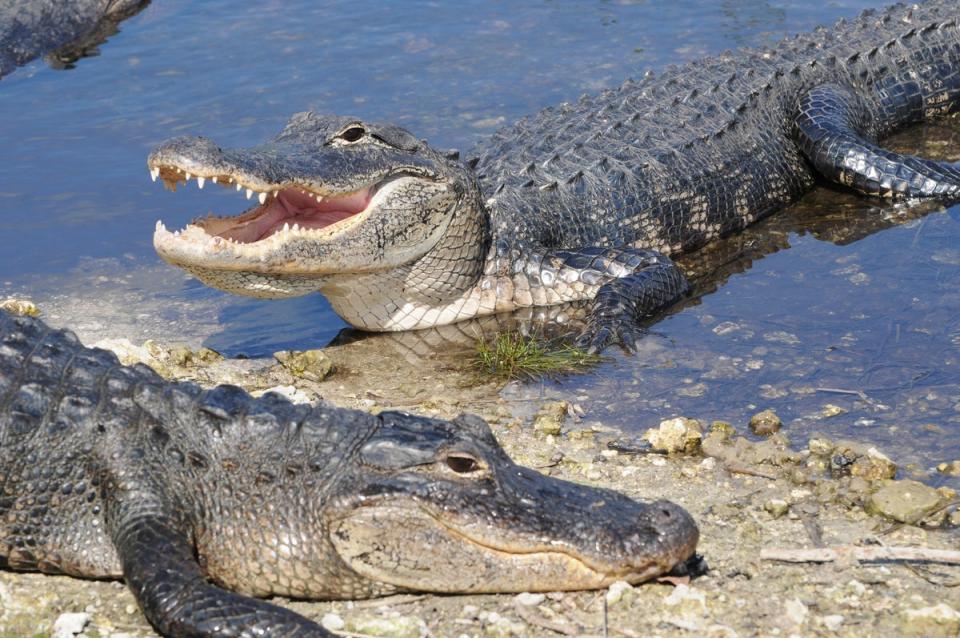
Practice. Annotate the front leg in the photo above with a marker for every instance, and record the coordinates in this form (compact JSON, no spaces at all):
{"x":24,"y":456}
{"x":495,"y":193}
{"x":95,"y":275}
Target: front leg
{"x":627,"y":285}
{"x":653,"y":283}
{"x":172,"y":591}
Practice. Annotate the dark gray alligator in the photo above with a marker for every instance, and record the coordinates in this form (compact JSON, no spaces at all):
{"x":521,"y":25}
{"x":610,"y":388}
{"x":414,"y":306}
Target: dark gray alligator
{"x":69,"y":28}
{"x":583,"y":201}
{"x":108,"y":471}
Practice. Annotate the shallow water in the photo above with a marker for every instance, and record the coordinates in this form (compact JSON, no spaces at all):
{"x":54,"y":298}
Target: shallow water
{"x":880,"y":316}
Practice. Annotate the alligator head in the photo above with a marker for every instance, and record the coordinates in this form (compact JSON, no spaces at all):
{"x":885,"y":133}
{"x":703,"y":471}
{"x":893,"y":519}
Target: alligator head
{"x":339,"y":201}
{"x":439,"y":506}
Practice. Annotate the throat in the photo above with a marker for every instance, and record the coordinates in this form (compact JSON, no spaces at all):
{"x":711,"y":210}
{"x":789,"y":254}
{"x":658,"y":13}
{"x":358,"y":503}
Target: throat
{"x":444,"y":286}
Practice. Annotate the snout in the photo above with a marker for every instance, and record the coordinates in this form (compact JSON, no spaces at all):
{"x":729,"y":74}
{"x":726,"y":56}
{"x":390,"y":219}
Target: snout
{"x":677,"y":532}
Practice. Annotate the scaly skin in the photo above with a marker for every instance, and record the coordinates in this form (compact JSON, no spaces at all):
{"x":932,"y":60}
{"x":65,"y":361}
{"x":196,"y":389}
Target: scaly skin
{"x":69,"y":28}
{"x":108,"y":471}
{"x":586,"y":201}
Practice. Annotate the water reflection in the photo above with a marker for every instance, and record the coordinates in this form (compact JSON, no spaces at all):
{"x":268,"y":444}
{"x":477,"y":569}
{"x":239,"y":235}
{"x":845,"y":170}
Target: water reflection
{"x":62,"y":32}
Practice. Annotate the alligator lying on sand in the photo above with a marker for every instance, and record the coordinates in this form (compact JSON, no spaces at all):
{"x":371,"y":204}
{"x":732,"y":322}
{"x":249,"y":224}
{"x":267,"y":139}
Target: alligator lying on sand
{"x":582,"y":201}
{"x":71,"y":28}
{"x":108,"y":471}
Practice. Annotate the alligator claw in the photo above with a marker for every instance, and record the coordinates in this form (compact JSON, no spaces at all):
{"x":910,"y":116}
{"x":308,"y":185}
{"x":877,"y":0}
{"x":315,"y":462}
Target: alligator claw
{"x":597,"y":337}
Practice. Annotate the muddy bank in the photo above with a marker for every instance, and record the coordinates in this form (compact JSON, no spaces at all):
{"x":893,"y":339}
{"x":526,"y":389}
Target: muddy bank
{"x":748,"y":493}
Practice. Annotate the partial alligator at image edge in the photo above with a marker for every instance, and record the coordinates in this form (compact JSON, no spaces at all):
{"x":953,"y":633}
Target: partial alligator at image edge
{"x":63,"y":30}
{"x":108,"y":471}
{"x":586,"y":201}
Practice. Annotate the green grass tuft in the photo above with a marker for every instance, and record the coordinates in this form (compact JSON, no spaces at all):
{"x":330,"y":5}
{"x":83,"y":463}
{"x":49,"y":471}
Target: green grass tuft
{"x":511,"y":355}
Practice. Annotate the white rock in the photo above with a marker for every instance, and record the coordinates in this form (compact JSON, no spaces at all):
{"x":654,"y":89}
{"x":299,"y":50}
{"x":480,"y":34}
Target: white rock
{"x":69,"y":625}
{"x":833,"y":622}
{"x":530,"y":600}
{"x":332,"y":622}
{"x":684,"y":594}
{"x":616,"y":591}
{"x":941,"y":613}
{"x":796,"y":611}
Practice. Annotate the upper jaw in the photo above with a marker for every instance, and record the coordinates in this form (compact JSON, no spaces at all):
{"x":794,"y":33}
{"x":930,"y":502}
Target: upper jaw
{"x":323,"y":171}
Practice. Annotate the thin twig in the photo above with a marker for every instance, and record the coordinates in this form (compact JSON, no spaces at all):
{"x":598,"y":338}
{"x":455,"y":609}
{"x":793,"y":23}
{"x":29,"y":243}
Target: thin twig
{"x":856,"y":553}
{"x":532,"y":618}
{"x":606,"y":634}
{"x":860,"y":393}
{"x":735,"y":468}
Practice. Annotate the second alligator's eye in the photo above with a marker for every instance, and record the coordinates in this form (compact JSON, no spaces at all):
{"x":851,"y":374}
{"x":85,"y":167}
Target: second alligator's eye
{"x":462,"y":463}
{"x":352,"y":134}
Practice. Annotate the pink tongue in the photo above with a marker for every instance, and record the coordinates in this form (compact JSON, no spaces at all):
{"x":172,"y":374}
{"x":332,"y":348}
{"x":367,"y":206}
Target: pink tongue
{"x":293,"y":206}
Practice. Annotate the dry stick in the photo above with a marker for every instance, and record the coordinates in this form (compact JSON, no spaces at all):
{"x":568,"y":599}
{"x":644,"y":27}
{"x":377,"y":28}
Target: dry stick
{"x":606,"y":634}
{"x":860,"y":393}
{"x":532,"y":618}
{"x":855,"y":553}
{"x":736,"y":468}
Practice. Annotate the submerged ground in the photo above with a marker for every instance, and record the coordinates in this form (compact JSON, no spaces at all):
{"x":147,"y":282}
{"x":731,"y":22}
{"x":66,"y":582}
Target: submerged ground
{"x":853,"y":332}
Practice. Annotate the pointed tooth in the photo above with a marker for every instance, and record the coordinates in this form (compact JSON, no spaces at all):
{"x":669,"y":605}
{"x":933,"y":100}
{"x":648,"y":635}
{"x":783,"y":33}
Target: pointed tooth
{"x":159,"y":226}
{"x":286,"y":227}
{"x":189,"y":176}
{"x":214,"y":179}
{"x":239,"y":187}
{"x":262,"y":197}
{"x":275,"y":193}
{"x":295,"y":227}
{"x":154,"y":174}
{"x":176,"y":233}
{"x":249,"y":193}
{"x":201,"y":181}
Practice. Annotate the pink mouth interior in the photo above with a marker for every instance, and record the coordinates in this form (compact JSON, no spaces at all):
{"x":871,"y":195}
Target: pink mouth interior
{"x":290,"y":206}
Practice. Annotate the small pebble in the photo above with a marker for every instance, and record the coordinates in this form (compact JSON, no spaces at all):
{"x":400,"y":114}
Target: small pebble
{"x":530,"y":600}
{"x":764,"y":423}
{"x":833,"y":622}
{"x":617,"y":590}
{"x":776,"y":507}
{"x":70,"y":624}
{"x":950,"y":469}
{"x":332,"y":622}
{"x":795,"y":610}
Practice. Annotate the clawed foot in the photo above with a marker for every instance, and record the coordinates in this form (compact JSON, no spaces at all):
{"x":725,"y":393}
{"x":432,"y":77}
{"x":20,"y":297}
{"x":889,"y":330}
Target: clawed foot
{"x":607,"y":331}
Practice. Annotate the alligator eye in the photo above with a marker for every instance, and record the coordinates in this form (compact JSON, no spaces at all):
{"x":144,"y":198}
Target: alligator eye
{"x":462,"y":463}
{"x":352,"y":134}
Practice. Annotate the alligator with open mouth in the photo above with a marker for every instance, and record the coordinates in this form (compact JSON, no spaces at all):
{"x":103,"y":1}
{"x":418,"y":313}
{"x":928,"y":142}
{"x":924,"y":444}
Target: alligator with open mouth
{"x":584,"y":201}
{"x":108,"y":471}
{"x":66,"y":29}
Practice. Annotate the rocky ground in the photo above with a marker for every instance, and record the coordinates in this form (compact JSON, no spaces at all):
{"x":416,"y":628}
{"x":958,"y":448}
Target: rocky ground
{"x":749,"y":491}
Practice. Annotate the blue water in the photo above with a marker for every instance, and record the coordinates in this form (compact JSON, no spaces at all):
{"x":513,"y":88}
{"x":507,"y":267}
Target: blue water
{"x":77,"y":208}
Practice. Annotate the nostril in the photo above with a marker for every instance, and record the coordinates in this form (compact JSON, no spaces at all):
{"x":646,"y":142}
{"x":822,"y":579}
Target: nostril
{"x":666,"y":513}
